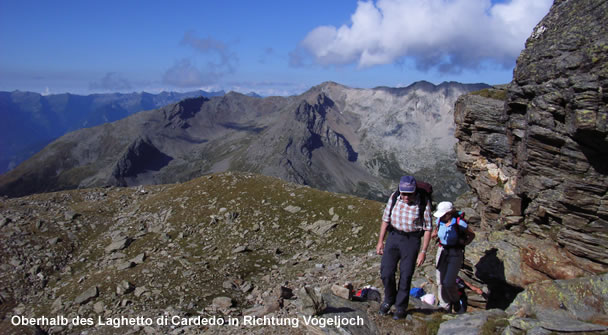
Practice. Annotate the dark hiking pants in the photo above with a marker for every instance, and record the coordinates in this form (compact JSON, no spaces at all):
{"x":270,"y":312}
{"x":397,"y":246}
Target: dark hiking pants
{"x":448,"y":266}
{"x":400,"y":248}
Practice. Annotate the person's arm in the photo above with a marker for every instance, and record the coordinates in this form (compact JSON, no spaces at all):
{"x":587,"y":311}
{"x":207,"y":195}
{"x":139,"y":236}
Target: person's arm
{"x":472,"y":287}
{"x":384,"y":226}
{"x":427,"y":226}
{"x":380,"y":245}
{"x":425,"y":245}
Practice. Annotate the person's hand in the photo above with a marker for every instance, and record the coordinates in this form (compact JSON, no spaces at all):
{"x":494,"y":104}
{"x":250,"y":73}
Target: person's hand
{"x":380,"y":248}
{"x":421,"y":258}
{"x":478,"y":290}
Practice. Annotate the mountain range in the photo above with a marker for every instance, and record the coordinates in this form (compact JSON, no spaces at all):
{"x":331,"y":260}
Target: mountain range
{"x":234,"y":245}
{"x":332,"y":137}
{"x":30,"y":120}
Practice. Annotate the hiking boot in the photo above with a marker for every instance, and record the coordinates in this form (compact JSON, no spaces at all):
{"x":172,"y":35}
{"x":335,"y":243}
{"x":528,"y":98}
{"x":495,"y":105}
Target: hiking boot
{"x":399,"y":314}
{"x":384,"y":308}
{"x":457,"y":308}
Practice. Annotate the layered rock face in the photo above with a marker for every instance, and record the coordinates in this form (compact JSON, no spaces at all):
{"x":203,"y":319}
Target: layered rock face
{"x":534,"y":151}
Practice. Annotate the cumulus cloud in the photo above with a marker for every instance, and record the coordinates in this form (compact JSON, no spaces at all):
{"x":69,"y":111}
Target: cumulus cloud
{"x":216,"y":55}
{"x":449,"y":35}
{"x":112,"y":81}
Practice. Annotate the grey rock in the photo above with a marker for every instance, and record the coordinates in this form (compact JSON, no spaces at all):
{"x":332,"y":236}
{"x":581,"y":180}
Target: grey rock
{"x":222,"y":302}
{"x":255,"y":311}
{"x":99,"y":307}
{"x":246,"y":287}
{"x":341,"y":291}
{"x":116,"y":255}
{"x":570,"y":299}
{"x":124,"y":287}
{"x":125,"y":265}
{"x":229,"y":285}
{"x":4,"y":221}
{"x":88,"y":295}
{"x":15,"y":261}
{"x":472,"y":323}
{"x":292,"y":209}
{"x":34,"y":270}
{"x":272,"y":304}
{"x":311,"y":302}
{"x":140,"y":290}
{"x":139,"y":259}
{"x":555,"y":322}
{"x":70,"y":215}
{"x":57,"y":305}
{"x":341,"y":308}
{"x":321,"y":227}
{"x":118,"y":245}
{"x":240,"y":249}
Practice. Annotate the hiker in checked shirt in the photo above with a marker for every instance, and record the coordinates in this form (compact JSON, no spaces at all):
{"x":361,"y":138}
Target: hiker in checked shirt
{"x":405,"y":228}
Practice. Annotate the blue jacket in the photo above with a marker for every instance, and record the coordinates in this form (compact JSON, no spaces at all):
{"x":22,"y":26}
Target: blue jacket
{"x":448,"y":233}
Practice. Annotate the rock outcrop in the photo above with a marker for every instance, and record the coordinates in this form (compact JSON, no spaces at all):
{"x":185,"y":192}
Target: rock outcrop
{"x":534,"y":151}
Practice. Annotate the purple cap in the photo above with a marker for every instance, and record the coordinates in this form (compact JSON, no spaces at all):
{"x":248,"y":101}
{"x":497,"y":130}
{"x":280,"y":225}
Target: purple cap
{"x":407,"y":184}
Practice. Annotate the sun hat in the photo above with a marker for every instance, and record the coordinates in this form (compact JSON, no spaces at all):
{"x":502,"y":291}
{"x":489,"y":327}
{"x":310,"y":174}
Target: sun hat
{"x":442,"y":208}
{"x":407,"y":184}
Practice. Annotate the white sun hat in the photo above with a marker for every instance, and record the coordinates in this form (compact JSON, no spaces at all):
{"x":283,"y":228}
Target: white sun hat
{"x":442,"y":208}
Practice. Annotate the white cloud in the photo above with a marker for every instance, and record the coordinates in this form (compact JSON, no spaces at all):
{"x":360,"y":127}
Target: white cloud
{"x":450,"y":35}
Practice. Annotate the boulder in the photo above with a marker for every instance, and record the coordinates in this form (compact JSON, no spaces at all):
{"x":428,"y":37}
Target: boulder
{"x":119,"y":244}
{"x":583,"y":299}
{"x":222,"y":302}
{"x":311,"y":302}
{"x":88,"y":295}
{"x":493,"y":321}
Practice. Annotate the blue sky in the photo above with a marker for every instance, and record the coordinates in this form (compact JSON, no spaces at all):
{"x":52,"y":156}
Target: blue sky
{"x":270,"y":47}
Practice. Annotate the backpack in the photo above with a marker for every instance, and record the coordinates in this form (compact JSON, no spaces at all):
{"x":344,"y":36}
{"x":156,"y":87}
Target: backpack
{"x":425,"y":190}
{"x":462,"y":234}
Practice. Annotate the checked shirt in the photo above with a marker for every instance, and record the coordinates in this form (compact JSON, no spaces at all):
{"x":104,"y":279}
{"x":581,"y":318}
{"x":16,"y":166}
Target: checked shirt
{"x":405,"y":217}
